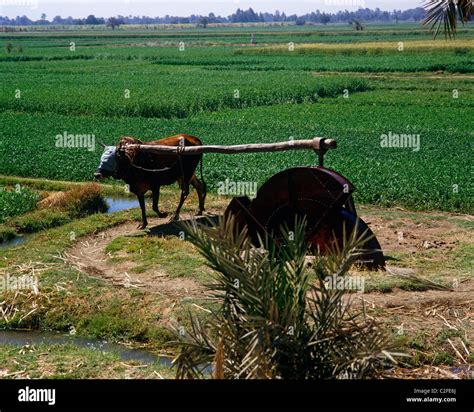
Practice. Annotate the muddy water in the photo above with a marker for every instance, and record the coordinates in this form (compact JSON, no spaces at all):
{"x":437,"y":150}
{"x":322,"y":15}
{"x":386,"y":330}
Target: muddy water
{"x":22,"y":338}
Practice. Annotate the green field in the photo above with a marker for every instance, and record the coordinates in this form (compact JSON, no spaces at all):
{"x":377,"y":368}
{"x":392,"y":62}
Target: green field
{"x":225,"y":91}
{"x":102,"y":279}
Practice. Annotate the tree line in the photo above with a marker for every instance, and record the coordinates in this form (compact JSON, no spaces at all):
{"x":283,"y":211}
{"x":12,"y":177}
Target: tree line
{"x":240,"y":16}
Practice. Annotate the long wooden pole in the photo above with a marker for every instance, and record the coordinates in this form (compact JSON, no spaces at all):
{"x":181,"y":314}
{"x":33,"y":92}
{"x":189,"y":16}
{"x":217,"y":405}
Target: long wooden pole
{"x":318,"y":144}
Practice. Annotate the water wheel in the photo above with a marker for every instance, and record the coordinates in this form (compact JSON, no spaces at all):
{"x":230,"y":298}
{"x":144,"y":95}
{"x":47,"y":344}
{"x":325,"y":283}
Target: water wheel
{"x":320,"y":195}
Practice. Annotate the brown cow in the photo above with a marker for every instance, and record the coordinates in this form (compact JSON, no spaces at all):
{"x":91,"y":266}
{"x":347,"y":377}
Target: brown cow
{"x":144,"y":171}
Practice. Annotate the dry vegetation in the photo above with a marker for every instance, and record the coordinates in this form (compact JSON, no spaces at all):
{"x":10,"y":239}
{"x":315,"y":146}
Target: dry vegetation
{"x":375,"y":47}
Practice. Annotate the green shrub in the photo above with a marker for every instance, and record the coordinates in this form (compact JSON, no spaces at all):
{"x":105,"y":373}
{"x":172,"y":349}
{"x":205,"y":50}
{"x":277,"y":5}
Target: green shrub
{"x":55,"y":210}
{"x":40,"y":220}
{"x":16,"y":202}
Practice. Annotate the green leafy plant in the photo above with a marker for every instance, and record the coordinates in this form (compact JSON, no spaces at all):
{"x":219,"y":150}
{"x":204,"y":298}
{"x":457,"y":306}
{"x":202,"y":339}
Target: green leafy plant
{"x":60,"y":208}
{"x":16,"y":202}
{"x":278,"y":318}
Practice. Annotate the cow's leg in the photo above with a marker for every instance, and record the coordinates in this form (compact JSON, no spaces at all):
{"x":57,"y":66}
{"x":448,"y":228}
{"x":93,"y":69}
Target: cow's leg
{"x":141,"y":200}
{"x":184,"y":195}
{"x":156,"y":197}
{"x":197,"y":184}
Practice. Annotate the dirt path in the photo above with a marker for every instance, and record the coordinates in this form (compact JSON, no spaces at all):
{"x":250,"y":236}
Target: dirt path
{"x":399,"y":232}
{"x":89,"y":255}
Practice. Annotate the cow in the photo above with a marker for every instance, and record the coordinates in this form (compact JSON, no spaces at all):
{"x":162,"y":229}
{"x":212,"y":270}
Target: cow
{"x":144,"y":171}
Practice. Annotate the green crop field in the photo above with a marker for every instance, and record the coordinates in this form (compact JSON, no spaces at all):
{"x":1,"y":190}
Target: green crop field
{"x":398,"y":102}
{"x":354,"y":87}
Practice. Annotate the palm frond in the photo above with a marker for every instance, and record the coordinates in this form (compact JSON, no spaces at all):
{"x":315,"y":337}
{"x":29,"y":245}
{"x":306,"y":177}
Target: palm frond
{"x":446,"y":13}
{"x":278,"y":318}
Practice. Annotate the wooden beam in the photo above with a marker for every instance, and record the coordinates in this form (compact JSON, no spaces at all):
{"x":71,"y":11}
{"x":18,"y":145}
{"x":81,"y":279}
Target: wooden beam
{"x":318,"y":144}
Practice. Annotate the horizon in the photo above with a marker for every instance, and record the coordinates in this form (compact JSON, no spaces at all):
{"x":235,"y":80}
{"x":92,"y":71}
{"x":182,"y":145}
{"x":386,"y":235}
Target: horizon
{"x":33,"y":9}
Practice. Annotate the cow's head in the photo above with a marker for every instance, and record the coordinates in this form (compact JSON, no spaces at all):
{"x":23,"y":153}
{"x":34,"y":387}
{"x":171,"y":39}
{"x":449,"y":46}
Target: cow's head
{"x":108,"y":163}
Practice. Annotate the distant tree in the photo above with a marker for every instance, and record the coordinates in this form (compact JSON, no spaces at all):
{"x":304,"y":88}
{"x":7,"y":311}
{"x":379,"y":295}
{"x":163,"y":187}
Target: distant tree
{"x":437,"y":11}
{"x":91,"y":19}
{"x":212,"y":18}
{"x":300,"y":21}
{"x":113,"y":22}
{"x":325,"y":18}
{"x":42,"y":20}
{"x":23,"y":21}
{"x":203,"y":22}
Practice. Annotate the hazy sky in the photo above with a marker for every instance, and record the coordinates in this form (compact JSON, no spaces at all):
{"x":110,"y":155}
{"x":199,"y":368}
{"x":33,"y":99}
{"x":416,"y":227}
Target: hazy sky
{"x":106,"y":8}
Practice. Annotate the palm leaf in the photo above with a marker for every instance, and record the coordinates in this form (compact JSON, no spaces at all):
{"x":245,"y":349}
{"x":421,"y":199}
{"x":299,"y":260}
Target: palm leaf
{"x":446,"y":12}
{"x":279,"y":320}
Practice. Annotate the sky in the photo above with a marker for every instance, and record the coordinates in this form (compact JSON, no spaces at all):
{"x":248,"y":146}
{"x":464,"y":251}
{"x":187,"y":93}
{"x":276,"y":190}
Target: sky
{"x":106,"y":8}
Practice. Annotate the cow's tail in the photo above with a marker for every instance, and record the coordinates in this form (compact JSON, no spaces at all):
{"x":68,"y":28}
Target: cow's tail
{"x":204,"y":185}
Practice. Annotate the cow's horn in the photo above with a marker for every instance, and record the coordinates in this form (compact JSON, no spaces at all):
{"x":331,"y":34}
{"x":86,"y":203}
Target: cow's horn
{"x":103,"y":145}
